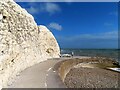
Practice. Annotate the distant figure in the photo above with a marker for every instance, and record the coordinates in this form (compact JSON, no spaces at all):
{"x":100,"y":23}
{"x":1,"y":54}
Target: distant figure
{"x":72,"y":54}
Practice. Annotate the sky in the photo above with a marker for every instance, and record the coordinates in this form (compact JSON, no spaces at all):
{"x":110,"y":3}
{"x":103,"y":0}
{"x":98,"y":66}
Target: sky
{"x":78,"y":24}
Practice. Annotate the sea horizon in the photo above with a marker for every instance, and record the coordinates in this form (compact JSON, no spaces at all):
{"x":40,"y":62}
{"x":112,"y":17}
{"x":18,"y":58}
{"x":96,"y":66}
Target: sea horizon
{"x":108,"y":53}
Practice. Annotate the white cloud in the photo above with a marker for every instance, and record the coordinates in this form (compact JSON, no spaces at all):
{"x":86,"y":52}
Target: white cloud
{"x":100,"y":36}
{"x":50,"y":8}
{"x":33,"y":10}
{"x":55,"y":26}
{"x":98,"y":40}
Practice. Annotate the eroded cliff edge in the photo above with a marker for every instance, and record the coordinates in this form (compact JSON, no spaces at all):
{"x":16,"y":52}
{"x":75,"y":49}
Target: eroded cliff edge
{"x":22,"y":42}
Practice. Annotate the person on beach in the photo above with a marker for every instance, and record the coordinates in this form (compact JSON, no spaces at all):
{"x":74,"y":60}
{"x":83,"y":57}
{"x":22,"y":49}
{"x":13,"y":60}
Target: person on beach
{"x":72,"y":54}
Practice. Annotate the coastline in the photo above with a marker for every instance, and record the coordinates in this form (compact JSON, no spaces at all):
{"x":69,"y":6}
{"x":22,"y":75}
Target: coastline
{"x":73,"y":76}
{"x":89,"y":73}
{"x":86,"y":77}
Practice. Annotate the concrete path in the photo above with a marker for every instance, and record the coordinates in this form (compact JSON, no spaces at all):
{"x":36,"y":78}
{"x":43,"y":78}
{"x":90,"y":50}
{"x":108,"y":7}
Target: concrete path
{"x":39,"y":76}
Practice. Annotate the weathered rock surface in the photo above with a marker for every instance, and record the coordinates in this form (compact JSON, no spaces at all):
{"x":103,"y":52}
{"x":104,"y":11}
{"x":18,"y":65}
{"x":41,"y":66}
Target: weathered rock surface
{"x":22,"y":42}
{"x":48,"y":42}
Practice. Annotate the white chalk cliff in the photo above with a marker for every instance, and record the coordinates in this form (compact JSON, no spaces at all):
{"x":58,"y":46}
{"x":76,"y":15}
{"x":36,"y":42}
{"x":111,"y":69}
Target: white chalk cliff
{"x":22,"y":42}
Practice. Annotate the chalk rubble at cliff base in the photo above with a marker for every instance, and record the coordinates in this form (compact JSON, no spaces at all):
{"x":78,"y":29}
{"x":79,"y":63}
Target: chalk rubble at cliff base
{"x":22,"y":42}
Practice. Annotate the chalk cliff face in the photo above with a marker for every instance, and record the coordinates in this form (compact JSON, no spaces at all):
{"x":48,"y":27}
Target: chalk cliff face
{"x":48,"y":42}
{"x":22,"y":42}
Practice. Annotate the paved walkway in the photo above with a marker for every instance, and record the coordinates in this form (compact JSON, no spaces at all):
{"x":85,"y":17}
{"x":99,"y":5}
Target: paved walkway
{"x":39,"y":76}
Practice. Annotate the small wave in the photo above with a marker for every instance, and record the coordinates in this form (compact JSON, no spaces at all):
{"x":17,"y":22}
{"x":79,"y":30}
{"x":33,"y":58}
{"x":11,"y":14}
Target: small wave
{"x":115,"y":69}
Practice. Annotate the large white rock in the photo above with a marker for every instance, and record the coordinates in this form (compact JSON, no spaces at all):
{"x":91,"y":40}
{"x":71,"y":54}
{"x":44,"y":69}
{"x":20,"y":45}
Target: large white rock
{"x":51,"y":48}
{"x":22,"y":42}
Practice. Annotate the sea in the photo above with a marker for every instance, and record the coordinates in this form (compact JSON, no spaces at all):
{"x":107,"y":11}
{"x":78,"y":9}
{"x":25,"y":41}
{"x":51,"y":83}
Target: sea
{"x":109,"y":53}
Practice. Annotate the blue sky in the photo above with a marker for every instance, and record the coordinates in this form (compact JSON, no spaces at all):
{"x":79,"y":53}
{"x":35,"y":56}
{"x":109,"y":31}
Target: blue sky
{"x":78,"y":25}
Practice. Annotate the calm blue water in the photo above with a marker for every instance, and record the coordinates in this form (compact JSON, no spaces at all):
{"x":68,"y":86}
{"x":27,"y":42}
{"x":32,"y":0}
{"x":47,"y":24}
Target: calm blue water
{"x":110,"y":53}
